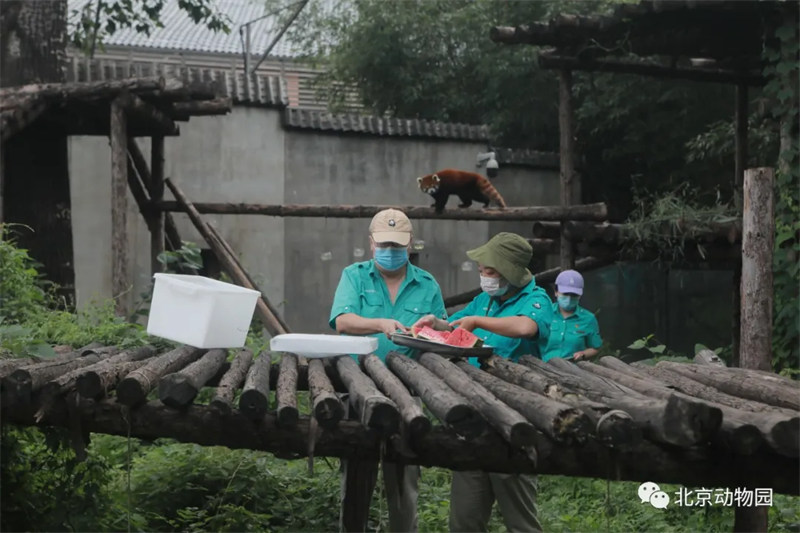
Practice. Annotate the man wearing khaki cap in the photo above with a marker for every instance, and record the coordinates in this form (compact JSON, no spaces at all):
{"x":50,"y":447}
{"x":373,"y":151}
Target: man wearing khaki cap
{"x":513,"y":315}
{"x":380,"y":297}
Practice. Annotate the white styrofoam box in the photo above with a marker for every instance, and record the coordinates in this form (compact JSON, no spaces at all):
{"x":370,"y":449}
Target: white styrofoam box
{"x":313,"y":345}
{"x":200,"y":311}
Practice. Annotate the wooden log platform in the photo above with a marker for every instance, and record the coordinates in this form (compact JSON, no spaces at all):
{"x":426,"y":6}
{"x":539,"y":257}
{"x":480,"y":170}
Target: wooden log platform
{"x":206,"y":426}
{"x":597,"y":211}
{"x":621,"y":402}
{"x":450,"y":407}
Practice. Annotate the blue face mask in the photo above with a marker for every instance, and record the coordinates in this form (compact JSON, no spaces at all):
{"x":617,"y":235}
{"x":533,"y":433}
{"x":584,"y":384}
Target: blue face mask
{"x":391,"y":258}
{"x":568,"y":303}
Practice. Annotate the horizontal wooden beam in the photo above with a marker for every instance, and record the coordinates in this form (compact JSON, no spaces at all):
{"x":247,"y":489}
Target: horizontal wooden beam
{"x":597,"y":211}
{"x":147,"y":114}
{"x":553,"y":61}
{"x":11,"y":97}
{"x":204,"y":425}
{"x":184,"y":110}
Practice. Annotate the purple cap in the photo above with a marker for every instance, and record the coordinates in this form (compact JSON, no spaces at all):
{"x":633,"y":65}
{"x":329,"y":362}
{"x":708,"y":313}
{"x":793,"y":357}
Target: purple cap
{"x":570,"y":282}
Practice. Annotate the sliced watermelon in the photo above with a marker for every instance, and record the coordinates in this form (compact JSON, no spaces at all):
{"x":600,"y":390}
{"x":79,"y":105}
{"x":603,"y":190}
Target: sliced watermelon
{"x":464,"y":339}
{"x":431,"y":334}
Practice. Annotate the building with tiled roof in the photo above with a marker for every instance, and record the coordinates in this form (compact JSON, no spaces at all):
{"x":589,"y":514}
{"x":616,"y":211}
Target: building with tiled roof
{"x":181,"y":43}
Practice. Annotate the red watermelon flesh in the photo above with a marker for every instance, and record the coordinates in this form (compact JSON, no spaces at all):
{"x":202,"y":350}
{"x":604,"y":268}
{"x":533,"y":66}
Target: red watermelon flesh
{"x":431,"y":334}
{"x":464,"y":339}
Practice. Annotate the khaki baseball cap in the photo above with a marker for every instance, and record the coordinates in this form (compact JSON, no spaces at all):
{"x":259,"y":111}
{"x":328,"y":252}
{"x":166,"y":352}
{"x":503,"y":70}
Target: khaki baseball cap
{"x":391,"y":225}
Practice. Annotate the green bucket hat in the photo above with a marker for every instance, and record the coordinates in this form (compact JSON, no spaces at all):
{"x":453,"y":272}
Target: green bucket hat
{"x":509,"y":254}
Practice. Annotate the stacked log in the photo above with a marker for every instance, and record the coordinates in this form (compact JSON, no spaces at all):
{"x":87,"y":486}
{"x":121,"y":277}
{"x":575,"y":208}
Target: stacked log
{"x":232,"y":380}
{"x":180,"y":388}
{"x":133,"y":389}
{"x":254,"y":401}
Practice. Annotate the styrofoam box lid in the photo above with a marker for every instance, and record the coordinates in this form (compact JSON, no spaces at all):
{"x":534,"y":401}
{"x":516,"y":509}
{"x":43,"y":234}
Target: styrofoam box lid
{"x":314,"y":345}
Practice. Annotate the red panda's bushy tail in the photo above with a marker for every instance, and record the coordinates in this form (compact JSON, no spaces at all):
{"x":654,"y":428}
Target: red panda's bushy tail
{"x":490,"y":192}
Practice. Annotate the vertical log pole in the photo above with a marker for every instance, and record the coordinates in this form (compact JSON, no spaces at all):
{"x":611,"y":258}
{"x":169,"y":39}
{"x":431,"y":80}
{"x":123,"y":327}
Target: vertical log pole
{"x":738,"y":180}
{"x":567,"y":161}
{"x":119,"y":206}
{"x":156,"y":195}
{"x":758,"y":238}
{"x":758,"y":230}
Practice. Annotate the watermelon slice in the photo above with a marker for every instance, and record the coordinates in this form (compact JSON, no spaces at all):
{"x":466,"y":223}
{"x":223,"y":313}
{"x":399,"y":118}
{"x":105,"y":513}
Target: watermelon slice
{"x":464,"y":339}
{"x":431,"y":334}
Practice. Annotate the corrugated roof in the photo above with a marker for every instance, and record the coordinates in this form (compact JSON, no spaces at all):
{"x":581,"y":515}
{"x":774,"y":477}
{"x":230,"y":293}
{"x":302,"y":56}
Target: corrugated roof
{"x":259,"y":89}
{"x":181,"y":33}
{"x":395,"y":127}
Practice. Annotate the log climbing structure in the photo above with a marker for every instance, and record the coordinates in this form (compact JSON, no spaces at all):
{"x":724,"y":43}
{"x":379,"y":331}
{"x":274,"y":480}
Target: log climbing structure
{"x":690,"y":423}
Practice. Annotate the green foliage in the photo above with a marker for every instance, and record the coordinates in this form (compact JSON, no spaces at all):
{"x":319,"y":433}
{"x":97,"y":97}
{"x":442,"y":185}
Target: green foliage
{"x":21,"y":290}
{"x":186,"y":260}
{"x":664,"y":223}
{"x":30,"y":323}
{"x":783,"y":95}
{"x":44,"y":487}
{"x":100,"y":18}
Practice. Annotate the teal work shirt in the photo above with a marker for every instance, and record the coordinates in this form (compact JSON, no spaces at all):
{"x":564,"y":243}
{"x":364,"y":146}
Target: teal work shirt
{"x":574,"y":333}
{"x":531,"y":301}
{"x":363,"y":291}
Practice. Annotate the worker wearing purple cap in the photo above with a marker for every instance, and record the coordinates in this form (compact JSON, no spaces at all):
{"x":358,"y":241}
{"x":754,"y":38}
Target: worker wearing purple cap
{"x":574,"y":333}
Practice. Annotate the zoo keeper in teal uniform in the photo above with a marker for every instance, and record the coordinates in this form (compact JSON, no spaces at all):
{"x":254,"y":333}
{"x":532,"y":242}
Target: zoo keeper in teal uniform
{"x":513,"y":315}
{"x":574,"y":333}
{"x":378,"y":298}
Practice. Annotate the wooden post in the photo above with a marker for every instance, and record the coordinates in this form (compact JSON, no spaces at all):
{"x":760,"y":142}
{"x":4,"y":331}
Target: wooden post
{"x":758,"y":230}
{"x":156,"y":195}
{"x":119,"y":207}
{"x":740,"y":161}
{"x":567,"y":161}
{"x":758,"y":237}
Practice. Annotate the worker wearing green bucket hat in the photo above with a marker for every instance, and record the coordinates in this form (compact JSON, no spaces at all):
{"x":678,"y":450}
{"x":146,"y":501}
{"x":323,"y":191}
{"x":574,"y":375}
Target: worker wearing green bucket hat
{"x":512,"y":315}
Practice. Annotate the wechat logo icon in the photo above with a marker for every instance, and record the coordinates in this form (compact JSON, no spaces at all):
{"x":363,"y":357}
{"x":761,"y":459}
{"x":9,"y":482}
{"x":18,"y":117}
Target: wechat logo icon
{"x":651,"y":493}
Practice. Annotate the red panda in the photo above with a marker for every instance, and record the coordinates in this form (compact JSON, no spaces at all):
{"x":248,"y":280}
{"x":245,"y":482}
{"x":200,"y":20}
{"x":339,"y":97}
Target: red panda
{"x":468,"y":186}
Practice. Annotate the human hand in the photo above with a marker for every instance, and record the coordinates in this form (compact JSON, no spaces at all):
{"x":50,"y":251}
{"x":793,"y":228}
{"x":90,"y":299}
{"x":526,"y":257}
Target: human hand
{"x":389,"y":326}
{"x":427,"y":320}
{"x":468,"y":323}
{"x":579,"y":356}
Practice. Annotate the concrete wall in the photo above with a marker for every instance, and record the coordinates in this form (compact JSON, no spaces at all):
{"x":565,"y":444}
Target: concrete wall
{"x":247,"y":156}
{"x":334,"y":169}
{"x":236,"y":158}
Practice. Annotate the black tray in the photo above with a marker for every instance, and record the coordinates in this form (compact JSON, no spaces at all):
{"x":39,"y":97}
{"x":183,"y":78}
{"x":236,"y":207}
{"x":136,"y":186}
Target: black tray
{"x":425,"y":345}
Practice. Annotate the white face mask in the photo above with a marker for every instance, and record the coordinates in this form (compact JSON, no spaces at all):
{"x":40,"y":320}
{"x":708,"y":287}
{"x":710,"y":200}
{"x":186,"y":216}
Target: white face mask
{"x":494,"y":286}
